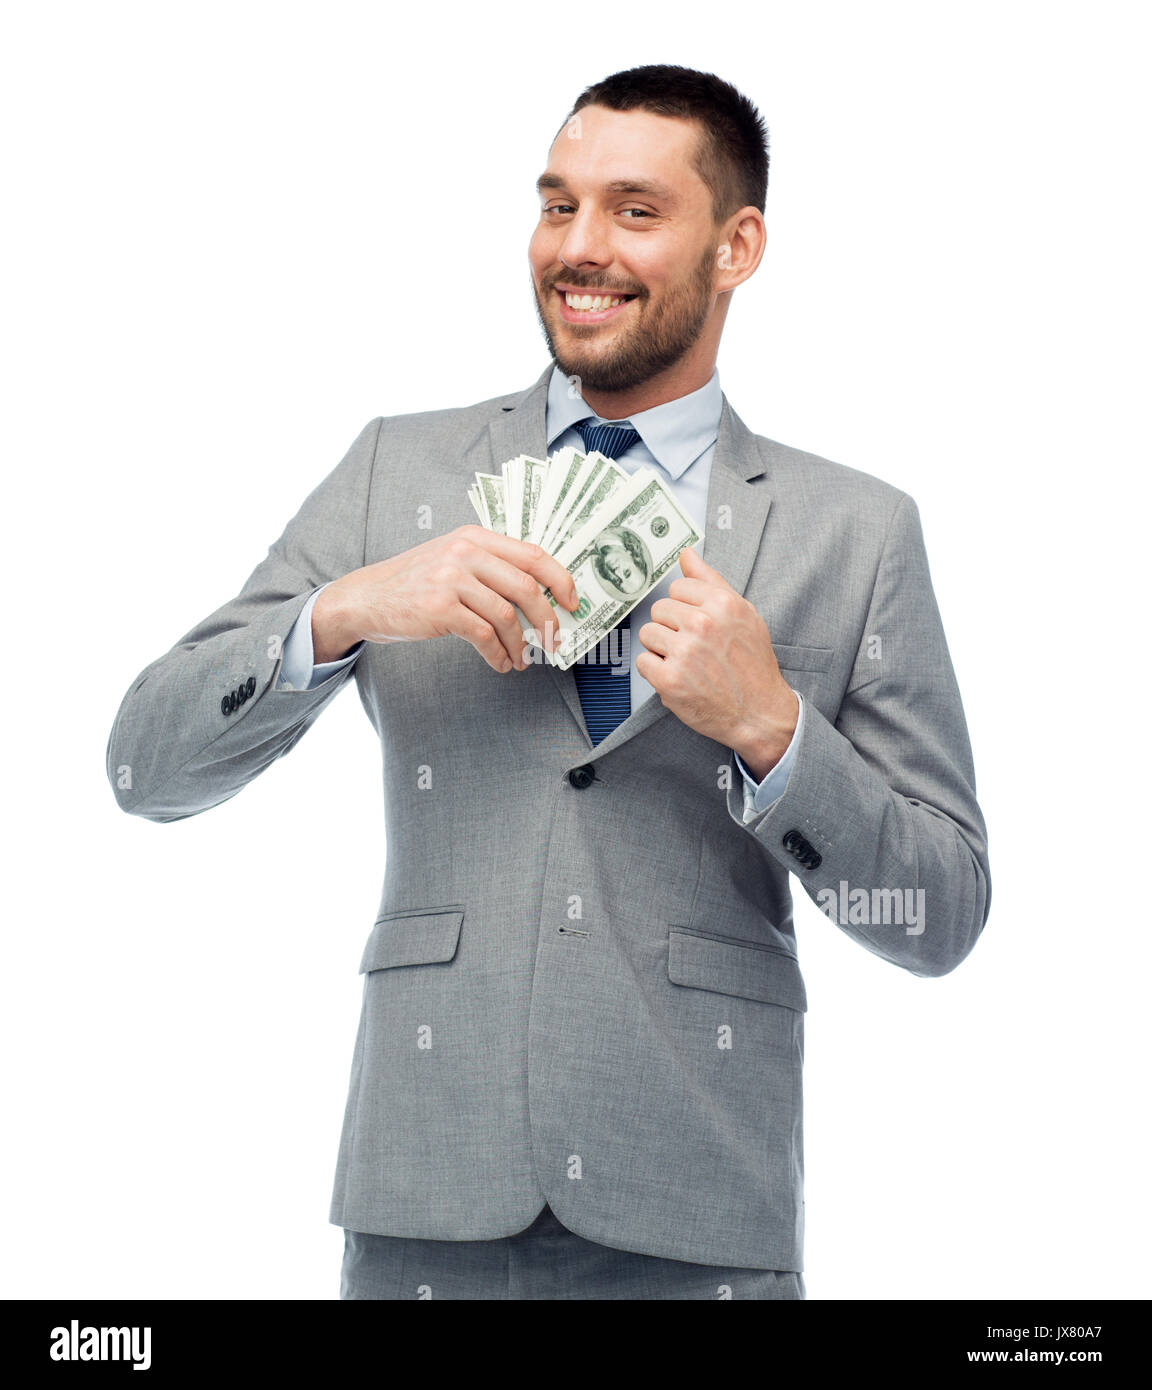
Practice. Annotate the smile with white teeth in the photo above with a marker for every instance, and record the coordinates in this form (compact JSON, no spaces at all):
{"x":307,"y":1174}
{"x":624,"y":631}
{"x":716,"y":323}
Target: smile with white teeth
{"x":594,"y":302}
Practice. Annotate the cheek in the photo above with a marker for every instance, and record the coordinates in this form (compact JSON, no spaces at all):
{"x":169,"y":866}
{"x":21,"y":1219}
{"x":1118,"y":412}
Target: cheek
{"x":539,"y":254}
{"x":648,"y":267}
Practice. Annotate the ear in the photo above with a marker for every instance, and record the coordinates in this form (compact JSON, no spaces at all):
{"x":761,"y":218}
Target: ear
{"x":740,"y":248}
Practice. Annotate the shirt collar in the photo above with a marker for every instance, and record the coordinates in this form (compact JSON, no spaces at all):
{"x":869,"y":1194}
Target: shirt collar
{"x":675,"y":433}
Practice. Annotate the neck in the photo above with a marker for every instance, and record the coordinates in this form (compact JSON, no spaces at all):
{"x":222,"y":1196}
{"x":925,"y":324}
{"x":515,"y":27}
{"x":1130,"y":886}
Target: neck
{"x":680,"y":379}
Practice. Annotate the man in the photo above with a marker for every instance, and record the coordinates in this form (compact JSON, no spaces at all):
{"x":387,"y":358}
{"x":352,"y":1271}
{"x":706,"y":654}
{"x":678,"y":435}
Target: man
{"x":578,"y":1067}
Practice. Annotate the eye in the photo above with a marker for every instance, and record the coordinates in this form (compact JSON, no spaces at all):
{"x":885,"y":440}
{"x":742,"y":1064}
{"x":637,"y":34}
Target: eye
{"x":643,"y":212}
{"x":559,"y":207}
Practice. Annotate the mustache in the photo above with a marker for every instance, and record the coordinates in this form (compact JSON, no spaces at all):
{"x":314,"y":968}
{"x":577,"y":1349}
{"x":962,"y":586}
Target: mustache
{"x":578,"y":284}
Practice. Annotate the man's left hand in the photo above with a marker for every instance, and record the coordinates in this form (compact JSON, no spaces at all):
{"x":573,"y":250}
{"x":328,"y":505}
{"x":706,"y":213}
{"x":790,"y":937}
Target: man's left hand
{"x":709,"y":658}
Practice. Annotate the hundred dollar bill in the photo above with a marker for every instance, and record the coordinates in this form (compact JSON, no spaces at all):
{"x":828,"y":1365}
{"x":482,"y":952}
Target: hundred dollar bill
{"x":563,"y":469}
{"x":574,"y":483}
{"x":559,"y":528}
{"x":606,"y":482}
{"x":533,"y":473}
{"x":510,"y":474}
{"x":477,"y":505}
{"x":616,"y":560}
{"x":491,"y":489}
{"x":513,"y":477}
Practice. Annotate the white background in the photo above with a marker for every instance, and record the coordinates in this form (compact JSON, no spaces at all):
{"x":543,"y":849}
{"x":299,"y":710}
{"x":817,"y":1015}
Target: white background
{"x":236,"y":233}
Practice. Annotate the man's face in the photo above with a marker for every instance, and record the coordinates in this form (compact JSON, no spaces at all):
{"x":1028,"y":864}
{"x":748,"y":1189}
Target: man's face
{"x":621,"y":568}
{"x":623,"y":213}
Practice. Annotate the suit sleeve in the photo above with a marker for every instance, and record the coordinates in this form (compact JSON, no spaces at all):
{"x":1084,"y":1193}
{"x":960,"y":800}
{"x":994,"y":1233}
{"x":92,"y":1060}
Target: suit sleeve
{"x":208,"y":716}
{"x":298,"y":670}
{"x":879,"y":820}
{"x":758,"y":796}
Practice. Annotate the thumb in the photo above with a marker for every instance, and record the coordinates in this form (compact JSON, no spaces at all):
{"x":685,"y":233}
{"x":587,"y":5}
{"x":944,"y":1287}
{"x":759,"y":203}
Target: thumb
{"x":695,"y":568}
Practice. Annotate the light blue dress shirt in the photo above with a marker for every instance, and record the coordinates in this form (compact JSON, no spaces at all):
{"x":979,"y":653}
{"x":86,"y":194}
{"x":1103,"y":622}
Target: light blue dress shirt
{"x":678,"y":440}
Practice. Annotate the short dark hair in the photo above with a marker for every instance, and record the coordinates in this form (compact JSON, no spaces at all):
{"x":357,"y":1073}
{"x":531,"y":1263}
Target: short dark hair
{"x":732,"y":155}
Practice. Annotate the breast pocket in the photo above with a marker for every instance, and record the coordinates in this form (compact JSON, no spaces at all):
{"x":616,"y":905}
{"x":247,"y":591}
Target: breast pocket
{"x":730,"y":966}
{"x":815,"y":659}
{"x":804,"y":668}
{"x":413,"y":936}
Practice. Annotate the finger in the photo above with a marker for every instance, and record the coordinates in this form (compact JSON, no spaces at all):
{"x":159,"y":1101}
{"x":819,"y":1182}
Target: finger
{"x":552,"y":574}
{"x":497,"y":612}
{"x":694,"y":567}
{"x":651,"y":667}
{"x":672,"y":613}
{"x":464,"y":622}
{"x":695,"y":591}
{"x":519,"y":588}
{"x":656,"y":638}
{"x":532,"y":558}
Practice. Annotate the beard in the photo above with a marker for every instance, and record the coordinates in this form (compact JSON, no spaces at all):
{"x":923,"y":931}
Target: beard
{"x":657,"y":340}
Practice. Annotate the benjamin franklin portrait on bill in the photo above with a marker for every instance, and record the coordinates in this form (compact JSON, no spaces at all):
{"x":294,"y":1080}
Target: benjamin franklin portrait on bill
{"x":622,"y":561}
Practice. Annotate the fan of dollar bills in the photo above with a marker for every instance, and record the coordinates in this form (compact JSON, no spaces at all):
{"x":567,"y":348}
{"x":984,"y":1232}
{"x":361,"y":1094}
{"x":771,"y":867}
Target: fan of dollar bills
{"x":616,"y":534}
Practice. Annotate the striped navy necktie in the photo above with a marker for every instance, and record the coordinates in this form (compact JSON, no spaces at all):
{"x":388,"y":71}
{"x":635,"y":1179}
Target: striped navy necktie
{"x":604,"y":675}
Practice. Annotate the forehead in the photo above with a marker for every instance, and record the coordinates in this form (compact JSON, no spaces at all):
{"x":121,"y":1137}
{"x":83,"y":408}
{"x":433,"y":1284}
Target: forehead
{"x":618,"y":147}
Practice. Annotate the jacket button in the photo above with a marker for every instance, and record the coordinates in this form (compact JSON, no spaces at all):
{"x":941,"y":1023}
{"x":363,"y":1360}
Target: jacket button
{"x":226,"y":705}
{"x":799,"y":848}
{"x":582,"y":777}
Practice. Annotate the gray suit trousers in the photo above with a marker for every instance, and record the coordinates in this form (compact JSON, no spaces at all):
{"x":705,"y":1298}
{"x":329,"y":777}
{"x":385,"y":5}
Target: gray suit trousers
{"x":545,"y":1261}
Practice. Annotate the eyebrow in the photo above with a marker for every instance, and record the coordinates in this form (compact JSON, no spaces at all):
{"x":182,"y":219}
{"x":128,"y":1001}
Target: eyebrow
{"x":650,"y":186}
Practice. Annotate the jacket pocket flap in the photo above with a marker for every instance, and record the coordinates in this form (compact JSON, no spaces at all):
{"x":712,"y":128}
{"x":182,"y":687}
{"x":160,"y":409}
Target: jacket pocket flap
{"x":736,"y":967}
{"x":802,"y":658}
{"x":412,"y":938}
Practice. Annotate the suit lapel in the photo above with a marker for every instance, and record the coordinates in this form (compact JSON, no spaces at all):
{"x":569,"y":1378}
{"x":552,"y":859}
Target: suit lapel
{"x":519,"y":428}
{"x":738,"y":504}
{"x":737,"y":510}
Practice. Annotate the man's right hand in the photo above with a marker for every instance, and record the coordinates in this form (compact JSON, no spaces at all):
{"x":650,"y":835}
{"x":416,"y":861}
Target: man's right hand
{"x":469,"y":582}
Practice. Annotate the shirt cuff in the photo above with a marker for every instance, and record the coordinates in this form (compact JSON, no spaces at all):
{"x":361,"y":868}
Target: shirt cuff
{"x":297,"y":670}
{"x":758,"y":796}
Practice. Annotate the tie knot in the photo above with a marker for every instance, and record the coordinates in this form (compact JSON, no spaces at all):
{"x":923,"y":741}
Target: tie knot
{"x":609,"y":440}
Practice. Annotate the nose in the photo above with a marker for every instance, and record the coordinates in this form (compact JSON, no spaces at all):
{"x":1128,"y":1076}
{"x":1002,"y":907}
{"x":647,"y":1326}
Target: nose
{"x":585,"y":242}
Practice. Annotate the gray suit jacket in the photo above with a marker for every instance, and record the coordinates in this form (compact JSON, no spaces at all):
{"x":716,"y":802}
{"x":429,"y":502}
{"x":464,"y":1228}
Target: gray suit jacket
{"x":582,"y":983}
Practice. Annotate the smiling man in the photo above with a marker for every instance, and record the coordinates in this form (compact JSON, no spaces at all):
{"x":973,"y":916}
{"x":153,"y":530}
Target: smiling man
{"x":625,"y":256}
{"x":578,"y":1067}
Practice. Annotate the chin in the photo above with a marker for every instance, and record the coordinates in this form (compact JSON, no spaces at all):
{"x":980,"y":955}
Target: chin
{"x":603,"y":372}
{"x":603,"y":377}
